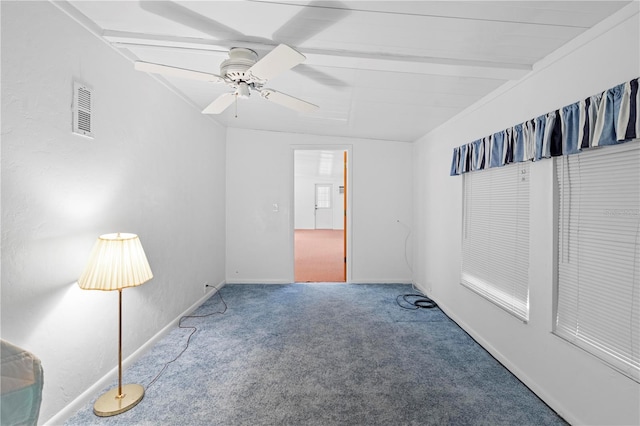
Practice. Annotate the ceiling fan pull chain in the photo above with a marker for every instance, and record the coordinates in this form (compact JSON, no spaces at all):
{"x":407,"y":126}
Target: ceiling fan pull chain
{"x":236,"y":105}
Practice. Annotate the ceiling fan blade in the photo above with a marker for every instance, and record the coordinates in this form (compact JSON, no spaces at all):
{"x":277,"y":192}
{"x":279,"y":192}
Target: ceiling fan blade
{"x":220,"y":104}
{"x":176,"y":72}
{"x":311,"y":20}
{"x":319,"y":76}
{"x":287,"y":101}
{"x":279,"y":60}
{"x":187,"y":17}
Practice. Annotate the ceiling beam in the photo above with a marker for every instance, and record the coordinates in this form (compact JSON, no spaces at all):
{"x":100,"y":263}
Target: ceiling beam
{"x":335,"y":58}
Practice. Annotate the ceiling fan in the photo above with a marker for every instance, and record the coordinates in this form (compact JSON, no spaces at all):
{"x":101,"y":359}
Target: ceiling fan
{"x":244,"y":73}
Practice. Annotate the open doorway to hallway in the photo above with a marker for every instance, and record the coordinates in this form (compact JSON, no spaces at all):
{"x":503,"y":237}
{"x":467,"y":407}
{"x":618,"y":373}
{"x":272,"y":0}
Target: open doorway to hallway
{"x":320,"y":206}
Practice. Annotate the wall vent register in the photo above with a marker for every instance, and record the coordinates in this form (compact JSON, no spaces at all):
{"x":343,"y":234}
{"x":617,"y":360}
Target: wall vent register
{"x":82,"y":109}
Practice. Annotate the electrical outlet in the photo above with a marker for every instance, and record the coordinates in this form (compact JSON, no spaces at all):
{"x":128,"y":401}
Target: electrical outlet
{"x":206,"y":287}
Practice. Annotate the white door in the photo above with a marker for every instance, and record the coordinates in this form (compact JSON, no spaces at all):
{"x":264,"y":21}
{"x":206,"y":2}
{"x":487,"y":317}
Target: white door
{"x":324,"y":206}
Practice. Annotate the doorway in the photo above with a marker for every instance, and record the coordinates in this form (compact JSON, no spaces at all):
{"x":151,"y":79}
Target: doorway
{"x":320,"y":213}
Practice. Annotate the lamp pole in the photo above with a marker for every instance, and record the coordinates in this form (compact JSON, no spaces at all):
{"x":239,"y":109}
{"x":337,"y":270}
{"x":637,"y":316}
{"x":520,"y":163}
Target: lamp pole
{"x":120,"y":395}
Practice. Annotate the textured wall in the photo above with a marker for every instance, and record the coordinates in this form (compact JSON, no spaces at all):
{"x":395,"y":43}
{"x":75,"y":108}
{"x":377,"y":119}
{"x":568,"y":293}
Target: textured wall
{"x":155,"y":168}
{"x":572,"y":382}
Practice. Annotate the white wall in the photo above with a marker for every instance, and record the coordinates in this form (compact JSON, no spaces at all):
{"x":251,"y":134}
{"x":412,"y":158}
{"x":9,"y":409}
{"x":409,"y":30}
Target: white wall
{"x":575,"y":384}
{"x":260,"y":174}
{"x":305,"y":198}
{"x":155,"y":168}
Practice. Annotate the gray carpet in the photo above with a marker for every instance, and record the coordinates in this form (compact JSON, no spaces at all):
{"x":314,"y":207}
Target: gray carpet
{"x":323,"y":354}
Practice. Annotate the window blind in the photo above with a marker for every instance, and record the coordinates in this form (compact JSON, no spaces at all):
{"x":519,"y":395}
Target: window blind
{"x":495,"y":246}
{"x":598,"y":295}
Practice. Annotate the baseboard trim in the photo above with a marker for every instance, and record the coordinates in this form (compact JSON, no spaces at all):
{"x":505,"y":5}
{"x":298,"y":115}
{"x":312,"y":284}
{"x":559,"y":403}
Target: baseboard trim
{"x":88,"y":395}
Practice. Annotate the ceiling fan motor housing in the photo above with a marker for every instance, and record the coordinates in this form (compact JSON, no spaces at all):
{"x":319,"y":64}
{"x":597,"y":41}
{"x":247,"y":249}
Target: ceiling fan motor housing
{"x":240,"y":60}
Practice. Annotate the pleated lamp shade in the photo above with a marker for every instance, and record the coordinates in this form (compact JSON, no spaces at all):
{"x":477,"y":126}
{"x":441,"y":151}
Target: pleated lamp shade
{"x":117,"y":261}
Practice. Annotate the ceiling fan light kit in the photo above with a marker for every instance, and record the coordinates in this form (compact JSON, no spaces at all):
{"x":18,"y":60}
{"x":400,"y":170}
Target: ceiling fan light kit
{"x":243,"y":72}
{"x":243,"y":90}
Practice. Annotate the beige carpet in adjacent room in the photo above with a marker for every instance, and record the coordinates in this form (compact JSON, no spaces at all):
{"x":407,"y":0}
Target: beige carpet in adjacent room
{"x":319,"y":255}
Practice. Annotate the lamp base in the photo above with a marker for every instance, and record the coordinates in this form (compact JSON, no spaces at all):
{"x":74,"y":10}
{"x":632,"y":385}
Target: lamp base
{"x":109,"y":404}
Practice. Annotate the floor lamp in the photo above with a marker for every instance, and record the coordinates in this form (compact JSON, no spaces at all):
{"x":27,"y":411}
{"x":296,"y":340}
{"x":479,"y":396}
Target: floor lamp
{"x":117,"y":261}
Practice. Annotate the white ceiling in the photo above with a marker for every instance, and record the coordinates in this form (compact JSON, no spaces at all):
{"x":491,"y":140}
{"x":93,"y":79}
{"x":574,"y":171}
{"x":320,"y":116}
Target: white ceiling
{"x":389,"y":70}
{"x":323,"y":164}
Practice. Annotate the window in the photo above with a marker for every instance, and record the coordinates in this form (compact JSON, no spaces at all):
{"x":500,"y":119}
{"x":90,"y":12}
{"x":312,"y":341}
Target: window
{"x":598,"y":295}
{"x":323,"y":196}
{"x":495,"y":245}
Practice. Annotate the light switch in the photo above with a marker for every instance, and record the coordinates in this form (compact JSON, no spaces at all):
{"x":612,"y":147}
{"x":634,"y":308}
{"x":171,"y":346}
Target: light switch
{"x":276,"y":208}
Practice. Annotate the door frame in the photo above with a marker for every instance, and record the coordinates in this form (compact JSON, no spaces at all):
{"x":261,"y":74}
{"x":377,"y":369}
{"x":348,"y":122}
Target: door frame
{"x":349,"y":181}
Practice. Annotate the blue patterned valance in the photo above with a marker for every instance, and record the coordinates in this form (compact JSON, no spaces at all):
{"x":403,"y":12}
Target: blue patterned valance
{"x":608,"y":118}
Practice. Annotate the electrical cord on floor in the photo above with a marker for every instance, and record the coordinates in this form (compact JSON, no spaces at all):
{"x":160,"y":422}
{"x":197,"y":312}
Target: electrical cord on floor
{"x":416,"y":301}
{"x":193,"y":330}
{"x":406,"y":240}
